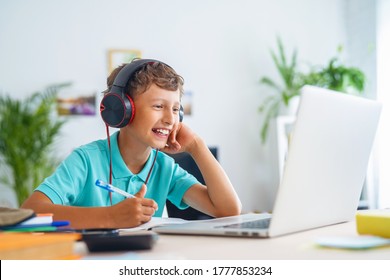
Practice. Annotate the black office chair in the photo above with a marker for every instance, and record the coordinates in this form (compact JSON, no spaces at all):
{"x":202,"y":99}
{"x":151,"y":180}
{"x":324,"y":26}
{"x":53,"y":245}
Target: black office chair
{"x":187,"y":163}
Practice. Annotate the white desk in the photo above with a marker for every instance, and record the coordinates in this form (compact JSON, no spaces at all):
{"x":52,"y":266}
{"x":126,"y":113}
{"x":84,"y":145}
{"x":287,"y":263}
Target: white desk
{"x":298,"y":246}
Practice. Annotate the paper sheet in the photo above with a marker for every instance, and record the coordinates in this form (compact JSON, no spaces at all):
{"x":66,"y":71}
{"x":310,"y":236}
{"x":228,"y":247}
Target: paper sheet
{"x":155,"y":222}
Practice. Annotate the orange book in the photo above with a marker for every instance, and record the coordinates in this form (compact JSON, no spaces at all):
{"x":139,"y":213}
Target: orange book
{"x":37,"y":246}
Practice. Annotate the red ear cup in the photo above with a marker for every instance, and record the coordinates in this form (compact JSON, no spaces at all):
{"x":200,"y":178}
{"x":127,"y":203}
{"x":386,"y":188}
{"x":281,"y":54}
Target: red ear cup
{"x":117,"y":110}
{"x":117,"y":107}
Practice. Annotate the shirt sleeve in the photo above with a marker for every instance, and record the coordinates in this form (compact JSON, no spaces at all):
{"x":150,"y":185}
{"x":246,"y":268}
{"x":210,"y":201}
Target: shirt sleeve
{"x":182,"y":181}
{"x":64,"y":185}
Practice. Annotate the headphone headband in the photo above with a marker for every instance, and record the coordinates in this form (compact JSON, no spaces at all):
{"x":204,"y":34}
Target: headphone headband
{"x":123,"y":78}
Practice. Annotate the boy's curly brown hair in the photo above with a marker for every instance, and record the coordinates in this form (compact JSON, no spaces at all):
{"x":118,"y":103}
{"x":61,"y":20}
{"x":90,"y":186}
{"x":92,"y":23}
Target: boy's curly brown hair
{"x":156,"y":73}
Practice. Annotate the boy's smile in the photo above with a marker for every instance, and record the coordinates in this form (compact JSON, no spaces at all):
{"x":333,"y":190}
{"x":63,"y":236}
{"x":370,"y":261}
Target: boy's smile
{"x":161,"y":132}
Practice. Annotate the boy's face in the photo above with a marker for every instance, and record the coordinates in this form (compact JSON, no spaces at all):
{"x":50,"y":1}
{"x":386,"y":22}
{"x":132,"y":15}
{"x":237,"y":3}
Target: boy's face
{"x":156,"y":112}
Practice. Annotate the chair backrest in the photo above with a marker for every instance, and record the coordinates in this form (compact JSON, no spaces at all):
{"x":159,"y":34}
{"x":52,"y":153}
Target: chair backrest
{"x":187,"y":163}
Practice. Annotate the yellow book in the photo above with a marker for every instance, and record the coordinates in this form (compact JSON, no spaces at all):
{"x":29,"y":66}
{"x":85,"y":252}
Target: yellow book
{"x":37,"y":246}
{"x":374,"y":222}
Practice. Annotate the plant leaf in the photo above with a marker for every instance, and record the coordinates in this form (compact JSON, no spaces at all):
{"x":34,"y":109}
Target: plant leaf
{"x":28,"y":133}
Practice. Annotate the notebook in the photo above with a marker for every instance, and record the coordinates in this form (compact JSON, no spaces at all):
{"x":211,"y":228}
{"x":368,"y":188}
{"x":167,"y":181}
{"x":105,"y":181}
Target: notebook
{"x":329,"y":149}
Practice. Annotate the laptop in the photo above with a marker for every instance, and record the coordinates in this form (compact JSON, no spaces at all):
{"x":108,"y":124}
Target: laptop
{"x":329,"y":149}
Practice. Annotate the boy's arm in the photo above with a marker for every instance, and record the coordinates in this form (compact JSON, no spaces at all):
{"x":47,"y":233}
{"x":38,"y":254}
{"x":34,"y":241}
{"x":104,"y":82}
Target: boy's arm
{"x":130,"y":212}
{"x":219,"y":198}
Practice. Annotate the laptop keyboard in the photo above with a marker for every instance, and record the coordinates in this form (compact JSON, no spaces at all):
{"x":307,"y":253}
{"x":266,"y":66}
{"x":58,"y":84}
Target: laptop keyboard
{"x":258,"y":224}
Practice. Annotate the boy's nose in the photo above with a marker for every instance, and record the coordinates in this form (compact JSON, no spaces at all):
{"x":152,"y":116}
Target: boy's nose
{"x":169,"y":117}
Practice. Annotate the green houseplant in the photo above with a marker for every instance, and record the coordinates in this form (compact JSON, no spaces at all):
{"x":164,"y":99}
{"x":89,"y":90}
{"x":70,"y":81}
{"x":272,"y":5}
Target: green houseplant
{"x":337,"y":77}
{"x":334,"y":75}
{"x":292,"y":81}
{"x":28,"y":130}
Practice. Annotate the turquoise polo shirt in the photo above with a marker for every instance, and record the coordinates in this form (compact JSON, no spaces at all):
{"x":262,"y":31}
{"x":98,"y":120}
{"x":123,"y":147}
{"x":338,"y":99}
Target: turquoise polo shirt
{"x":73,"y":182}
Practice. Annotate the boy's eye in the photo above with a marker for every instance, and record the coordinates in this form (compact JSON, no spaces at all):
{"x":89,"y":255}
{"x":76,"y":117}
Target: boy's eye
{"x":158,"y":106}
{"x":176,"y":110}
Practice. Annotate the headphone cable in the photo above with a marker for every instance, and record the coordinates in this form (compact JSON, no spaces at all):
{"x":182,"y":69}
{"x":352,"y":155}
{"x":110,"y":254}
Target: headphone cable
{"x":110,"y":155}
{"x":151,"y":168}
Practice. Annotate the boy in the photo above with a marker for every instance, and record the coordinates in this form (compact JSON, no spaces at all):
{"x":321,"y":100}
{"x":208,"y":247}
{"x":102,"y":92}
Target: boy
{"x":152,"y":91}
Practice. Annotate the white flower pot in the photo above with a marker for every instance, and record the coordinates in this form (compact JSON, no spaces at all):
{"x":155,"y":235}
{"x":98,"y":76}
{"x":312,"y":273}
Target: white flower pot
{"x":292,"y":108}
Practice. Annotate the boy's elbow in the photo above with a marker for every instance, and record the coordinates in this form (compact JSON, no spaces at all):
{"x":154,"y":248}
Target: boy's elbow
{"x":233,"y":210}
{"x":237,"y":210}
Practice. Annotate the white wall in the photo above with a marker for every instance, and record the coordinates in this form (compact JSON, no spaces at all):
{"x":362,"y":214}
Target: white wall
{"x":221,"y":48}
{"x":383,"y":42}
{"x":361,"y":22}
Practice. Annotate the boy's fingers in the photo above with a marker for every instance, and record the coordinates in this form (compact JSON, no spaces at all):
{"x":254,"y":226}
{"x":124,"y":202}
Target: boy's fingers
{"x":141,"y":193}
{"x":172,"y":136}
{"x":149,"y":211}
{"x":150,"y":203}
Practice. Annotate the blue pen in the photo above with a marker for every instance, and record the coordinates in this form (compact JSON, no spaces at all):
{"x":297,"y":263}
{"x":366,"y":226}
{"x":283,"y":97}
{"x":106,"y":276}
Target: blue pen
{"x":111,"y":188}
{"x":52,"y":224}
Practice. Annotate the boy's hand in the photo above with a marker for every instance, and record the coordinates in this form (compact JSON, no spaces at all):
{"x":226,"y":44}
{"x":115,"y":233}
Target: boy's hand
{"x":133,"y":212}
{"x":180,"y":139}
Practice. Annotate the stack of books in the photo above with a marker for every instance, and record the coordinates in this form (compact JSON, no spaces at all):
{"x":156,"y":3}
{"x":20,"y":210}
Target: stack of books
{"x":25,"y":220}
{"x":25,"y":235}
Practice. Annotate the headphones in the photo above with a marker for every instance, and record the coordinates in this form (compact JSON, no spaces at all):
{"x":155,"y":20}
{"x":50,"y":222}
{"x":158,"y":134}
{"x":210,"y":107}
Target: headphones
{"x":117,"y":108}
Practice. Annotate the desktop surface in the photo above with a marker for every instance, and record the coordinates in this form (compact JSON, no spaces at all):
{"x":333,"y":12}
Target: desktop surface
{"x":297,"y":246}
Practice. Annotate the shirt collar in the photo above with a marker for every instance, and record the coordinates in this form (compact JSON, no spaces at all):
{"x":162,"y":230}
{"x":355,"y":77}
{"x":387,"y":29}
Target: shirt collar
{"x":119,"y":169}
